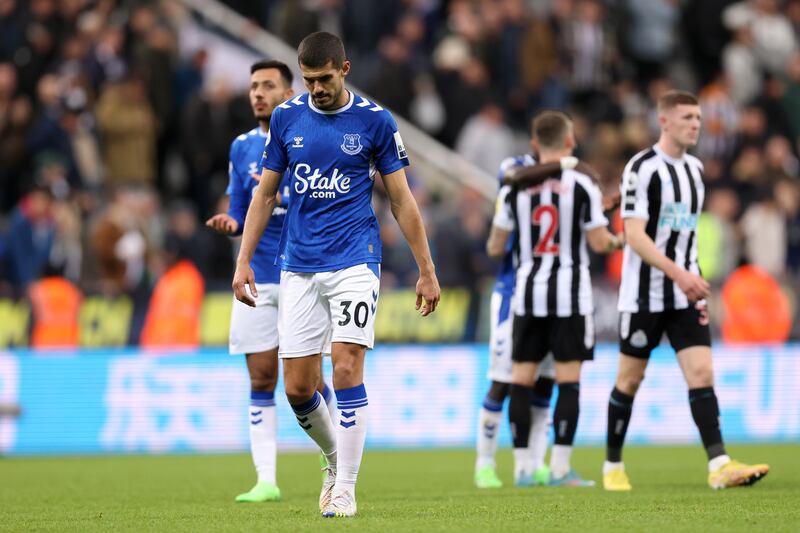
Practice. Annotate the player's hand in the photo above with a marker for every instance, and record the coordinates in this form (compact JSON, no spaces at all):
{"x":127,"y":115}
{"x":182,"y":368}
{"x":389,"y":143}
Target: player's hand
{"x":693,"y":286}
{"x":242,"y":279}
{"x":621,"y":238}
{"x":428,"y":294}
{"x":223,"y":224}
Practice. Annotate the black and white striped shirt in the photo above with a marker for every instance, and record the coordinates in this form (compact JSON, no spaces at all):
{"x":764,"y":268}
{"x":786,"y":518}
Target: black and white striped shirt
{"x":550,"y":244}
{"x":669,"y":194}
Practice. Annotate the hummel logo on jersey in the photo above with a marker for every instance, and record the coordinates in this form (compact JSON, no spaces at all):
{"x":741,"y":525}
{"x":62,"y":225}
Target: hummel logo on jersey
{"x":677,"y":216}
{"x":321,"y":186}
{"x":351,"y":144}
{"x":298,"y":142}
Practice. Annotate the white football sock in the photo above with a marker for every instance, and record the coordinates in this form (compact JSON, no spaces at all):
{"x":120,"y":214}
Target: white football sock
{"x":522,"y":465}
{"x":559,"y":460}
{"x":488,"y":428}
{"x":537,"y":441}
{"x":608,"y":466}
{"x":263,"y":426}
{"x":351,"y":432}
{"x":314,"y":417}
{"x":718,"y":462}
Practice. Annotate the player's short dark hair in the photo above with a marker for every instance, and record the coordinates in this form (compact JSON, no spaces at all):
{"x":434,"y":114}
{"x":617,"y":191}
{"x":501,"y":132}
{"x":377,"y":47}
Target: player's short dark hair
{"x":550,"y":128}
{"x":319,"y":48}
{"x":280,"y":66}
{"x":673,"y":98}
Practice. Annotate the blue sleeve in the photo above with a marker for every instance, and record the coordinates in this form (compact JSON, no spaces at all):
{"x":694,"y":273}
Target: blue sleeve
{"x":239,"y":200}
{"x":390,"y":153}
{"x":275,"y":157}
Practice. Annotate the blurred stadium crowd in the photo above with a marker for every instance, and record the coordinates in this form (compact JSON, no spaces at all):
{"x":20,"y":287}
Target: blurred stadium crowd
{"x":114,"y":135}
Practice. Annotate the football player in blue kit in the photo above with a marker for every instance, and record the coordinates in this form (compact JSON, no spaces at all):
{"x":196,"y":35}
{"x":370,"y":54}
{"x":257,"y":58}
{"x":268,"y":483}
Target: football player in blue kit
{"x":254,"y":330}
{"x":332,"y":142}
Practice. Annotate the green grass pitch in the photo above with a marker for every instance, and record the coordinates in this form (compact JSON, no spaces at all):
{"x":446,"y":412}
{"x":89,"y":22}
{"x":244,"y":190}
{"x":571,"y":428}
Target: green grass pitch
{"x":398,"y":491}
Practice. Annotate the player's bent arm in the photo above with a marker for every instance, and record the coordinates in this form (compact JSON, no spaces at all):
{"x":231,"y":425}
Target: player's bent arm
{"x":643,"y":245}
{"x":531,"y":175}
{"x":498,"y":239}
{"x":694,"y":286}
{"x":258,"y":214}
{"x":602,"y":241}
{"x":255,"y":223}
{"x":405,"y":211}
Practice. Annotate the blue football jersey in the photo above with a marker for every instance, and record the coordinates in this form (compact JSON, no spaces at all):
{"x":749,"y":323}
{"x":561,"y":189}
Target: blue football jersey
{"x":244,"y":169}
{"x":331,"y":158}
{"x":507,"y":274}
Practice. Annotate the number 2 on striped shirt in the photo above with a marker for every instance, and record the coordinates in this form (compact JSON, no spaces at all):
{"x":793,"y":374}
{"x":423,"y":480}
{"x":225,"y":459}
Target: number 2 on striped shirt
{"x":545,"y":244}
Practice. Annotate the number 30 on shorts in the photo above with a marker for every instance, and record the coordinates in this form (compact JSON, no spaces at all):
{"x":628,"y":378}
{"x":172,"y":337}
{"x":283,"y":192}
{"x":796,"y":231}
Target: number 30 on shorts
{"x":359,"y":315}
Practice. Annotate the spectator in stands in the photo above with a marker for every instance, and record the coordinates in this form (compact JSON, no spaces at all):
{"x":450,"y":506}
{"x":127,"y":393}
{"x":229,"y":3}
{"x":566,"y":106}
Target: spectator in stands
{"x":720,"y":119}
{"x":787,"y":193}
{"x":55,"y":310}
{"x":764,"y":228}
{"x":106,"y":63}
{"x":539,"y":66}
{"x":30,"y":236}
{"x":587,"y":57}
{"x":127,"y":125}
{"x":16,"y":113}
{"x":466,"y":90}
{"x":773,"y":36}
{"x":392,"y":81}
{"x":741,"y":66}
{"x":649,"y":36}
{"x":485,"y":139}
{"x":118,"y":246}
{"x":47,"y":134}
{"x":214,"y":112}
{"x":173,"y":315}
{"x":186,"y":238}
{"x":12,"y":28}
{"x":460,"y":239}
{"x":66,"y":255}
{"x":189,"y":78}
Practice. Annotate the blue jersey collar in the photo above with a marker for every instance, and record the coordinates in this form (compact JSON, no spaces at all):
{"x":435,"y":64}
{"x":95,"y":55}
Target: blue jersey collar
{"x":333,"y":111}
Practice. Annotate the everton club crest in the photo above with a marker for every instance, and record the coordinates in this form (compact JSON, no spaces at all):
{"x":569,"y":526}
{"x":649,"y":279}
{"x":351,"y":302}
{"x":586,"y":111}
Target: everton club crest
{"x":352,"y":143}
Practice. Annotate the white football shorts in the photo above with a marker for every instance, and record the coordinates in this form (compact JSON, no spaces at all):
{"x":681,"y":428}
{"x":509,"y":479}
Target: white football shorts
{"x":322,"y":307}
{"x":255,"y":329}
{"x":500,"y":334}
